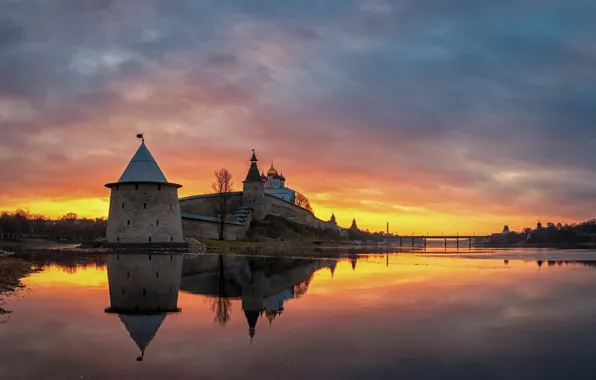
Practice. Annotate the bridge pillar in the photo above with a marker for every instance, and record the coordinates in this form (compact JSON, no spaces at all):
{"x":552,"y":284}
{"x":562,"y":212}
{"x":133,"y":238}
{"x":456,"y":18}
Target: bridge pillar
{"x":470,"y":242}
{"x":401,"y":242}
{"x":412,"y":242}
{"x":457,"y":243}
{"x":445,"y":242}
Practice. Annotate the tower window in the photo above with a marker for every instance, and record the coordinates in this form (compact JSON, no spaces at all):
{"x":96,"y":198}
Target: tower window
{"x":118,"y":240}
{"x":128,"y":222}
{"x":158,"y":187}
{"x":136,"y":187}
{"x":171,"y":239}
{"x":156,"y":274}
{"x":170,"y":207}
{"x":158,"y":222}
{"x":144,"y":205}
{"x":150,"y":241}
{"x":122,"y":205}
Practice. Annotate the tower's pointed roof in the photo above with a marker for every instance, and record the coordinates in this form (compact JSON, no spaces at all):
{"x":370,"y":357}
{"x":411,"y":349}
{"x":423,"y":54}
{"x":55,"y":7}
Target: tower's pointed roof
{"x":142,"y":168}
{"x":142,"y":328}
{"x":253,"y":172}
{"x":251,"y":317}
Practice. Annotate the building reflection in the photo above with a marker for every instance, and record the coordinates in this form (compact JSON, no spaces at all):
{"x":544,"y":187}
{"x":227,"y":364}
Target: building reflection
{"x":143,"y":290}
{"x":263,"y":285}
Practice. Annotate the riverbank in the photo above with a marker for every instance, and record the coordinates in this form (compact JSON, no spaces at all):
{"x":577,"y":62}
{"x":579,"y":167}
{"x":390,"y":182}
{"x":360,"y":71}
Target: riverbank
{"x":12,"y":270}
{"x":541,"y":245}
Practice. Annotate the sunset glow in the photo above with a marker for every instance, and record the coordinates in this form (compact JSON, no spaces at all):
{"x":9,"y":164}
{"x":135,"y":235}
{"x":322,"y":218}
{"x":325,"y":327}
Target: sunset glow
{"x":445,"y":118}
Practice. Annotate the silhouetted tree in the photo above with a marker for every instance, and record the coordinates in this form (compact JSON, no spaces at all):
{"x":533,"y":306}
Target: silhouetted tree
{"x":222,"y":186}
{"x":302,"y":201}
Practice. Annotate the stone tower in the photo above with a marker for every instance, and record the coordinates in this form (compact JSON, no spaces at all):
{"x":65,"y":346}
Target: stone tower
{"x":253,"y":192}
{"x":143,"y":204}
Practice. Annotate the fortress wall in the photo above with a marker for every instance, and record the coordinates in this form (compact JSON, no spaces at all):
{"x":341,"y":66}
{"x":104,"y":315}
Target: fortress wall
{"x":200,"y":229}
{"x":135,"y":210}
{"x":291,"y":212}
{"x":206,"y":204}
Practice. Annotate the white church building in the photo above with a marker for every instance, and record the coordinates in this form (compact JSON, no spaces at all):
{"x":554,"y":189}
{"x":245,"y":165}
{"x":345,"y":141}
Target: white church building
{"x":275,"y":185}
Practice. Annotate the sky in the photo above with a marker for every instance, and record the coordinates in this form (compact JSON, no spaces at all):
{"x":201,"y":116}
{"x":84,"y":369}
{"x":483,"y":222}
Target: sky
{"x":436,"y":116}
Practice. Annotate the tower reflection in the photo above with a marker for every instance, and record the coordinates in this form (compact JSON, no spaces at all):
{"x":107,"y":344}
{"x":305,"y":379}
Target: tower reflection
{"x":143,"y":290}
{"x":263,"y":285}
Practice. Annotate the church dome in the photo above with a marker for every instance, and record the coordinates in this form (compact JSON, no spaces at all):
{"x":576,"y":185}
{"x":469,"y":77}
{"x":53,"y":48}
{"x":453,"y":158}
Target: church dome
{"x":271,"y":170}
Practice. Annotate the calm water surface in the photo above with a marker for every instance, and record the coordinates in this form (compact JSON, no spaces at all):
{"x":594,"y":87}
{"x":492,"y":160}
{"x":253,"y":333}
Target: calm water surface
{"x":503,"y":315}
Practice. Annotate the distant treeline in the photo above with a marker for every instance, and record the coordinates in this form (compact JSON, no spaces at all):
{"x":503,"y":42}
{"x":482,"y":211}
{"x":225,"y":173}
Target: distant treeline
{"x":21,"y":224}
{"x":556,"y":234}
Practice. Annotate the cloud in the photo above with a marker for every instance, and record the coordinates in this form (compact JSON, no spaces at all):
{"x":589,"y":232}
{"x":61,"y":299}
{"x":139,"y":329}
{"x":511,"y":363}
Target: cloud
{"x":443,"y":105}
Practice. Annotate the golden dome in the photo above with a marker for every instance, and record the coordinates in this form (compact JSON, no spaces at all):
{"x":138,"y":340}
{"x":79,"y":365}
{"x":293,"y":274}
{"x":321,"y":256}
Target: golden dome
{"x":271,"y":170}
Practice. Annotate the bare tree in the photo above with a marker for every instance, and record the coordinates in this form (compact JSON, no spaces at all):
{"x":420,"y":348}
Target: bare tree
{"x":222,"y":186}
{"x":302,"y":201}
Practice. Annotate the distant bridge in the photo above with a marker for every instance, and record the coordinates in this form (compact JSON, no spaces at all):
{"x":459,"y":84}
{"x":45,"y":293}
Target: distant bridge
{"x":424,"y":238}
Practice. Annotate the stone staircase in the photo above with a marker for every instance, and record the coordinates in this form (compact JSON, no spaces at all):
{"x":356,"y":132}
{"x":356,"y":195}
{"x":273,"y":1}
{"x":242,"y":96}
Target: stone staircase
{"x":242,"y":214}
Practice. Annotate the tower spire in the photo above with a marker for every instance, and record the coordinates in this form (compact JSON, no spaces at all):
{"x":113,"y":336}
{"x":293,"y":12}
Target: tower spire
{"x":253,"y":172}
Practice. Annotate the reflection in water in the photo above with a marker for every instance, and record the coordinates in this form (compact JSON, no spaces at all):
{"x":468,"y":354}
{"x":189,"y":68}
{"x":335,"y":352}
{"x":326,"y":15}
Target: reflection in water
{"x":393,"y":316}
{"x":143,"y":289}
{"x":263,"y":284}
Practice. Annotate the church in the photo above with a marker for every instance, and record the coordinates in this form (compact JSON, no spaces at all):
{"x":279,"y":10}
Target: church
{"x":275,"y":184}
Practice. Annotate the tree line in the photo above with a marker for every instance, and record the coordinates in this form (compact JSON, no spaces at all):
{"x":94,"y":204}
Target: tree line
{"x":556,"y":234}
{"x":22,"y":224}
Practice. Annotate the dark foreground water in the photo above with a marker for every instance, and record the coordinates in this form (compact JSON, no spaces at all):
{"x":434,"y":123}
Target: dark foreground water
{"x":475,"y":316}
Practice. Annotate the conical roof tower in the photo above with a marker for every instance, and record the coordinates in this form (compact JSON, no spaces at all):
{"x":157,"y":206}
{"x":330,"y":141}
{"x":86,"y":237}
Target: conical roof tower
{"x":144,"y":206}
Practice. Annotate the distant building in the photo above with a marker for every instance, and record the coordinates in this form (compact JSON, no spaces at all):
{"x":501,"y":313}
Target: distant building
{"x":275,"y":184}
{"x":143,"y":204}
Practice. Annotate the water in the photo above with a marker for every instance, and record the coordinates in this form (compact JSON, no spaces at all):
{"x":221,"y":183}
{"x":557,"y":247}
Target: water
{"x":424,"y":316}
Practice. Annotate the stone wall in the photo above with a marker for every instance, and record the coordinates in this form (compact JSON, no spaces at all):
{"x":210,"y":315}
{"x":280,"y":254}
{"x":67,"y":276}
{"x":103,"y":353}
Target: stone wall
{"x":290,"y":211}
{"x":206,"y":204}
{"x":144,"y":213}
{"x":200,"y":229}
